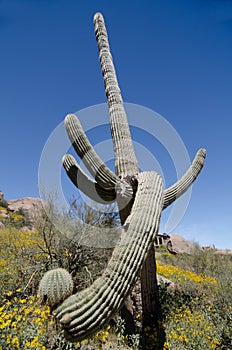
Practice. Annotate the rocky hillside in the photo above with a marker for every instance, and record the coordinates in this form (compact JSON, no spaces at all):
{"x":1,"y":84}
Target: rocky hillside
{"x":24,"y":209}
{"x":30,"y":208}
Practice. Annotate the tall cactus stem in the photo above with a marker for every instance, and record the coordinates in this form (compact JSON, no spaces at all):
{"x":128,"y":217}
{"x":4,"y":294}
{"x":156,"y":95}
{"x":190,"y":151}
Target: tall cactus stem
{"x":126,"y":163}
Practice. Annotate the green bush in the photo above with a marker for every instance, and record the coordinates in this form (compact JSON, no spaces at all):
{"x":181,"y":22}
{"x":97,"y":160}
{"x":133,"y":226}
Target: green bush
{"x":197,"y":312}
{"x":3,"y":203}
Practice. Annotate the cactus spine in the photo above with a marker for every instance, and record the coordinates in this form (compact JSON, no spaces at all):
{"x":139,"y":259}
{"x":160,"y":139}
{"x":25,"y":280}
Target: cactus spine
{"x":55,"y":286}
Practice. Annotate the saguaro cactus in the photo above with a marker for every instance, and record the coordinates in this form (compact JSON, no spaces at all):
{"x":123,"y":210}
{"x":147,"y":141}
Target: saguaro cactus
{"x":141,"y":199}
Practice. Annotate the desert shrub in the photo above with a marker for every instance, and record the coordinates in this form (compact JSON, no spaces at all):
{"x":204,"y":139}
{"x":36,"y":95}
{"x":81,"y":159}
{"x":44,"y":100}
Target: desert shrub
{"x":20,"y":259}
{"x":191,"y":327}
{"x":62,"y":242}
{"x":202,"y":262}
{"x":3,"y":203}
{"x":197,"y":312}
{"x":23,"y":323}
{"x":17,"y":219}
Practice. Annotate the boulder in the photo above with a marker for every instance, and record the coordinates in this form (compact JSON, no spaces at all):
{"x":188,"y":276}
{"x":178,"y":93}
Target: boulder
{"x":31,"y":207}
{"x":162,"y":279}
{"x":179,"y":244}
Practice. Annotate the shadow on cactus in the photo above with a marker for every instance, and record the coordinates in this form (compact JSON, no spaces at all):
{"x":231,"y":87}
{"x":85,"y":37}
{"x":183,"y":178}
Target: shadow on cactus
{"x":140,"y":197}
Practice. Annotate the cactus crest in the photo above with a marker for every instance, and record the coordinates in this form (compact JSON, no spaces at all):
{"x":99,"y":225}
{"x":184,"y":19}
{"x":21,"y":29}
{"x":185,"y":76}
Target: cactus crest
{"x":55,"y":286}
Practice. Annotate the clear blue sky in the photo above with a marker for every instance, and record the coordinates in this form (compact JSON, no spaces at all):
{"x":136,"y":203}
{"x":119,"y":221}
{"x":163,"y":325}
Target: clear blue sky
{"x":174,"y":57}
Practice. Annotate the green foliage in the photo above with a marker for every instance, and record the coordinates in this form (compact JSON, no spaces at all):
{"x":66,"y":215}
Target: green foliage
{"x":61,"y":243}
{"x":23,"y":323}
{"x":17,"y":219}
{"x":197,"y":312}
{"x":3,"y":203}
{"x":21,"y":260}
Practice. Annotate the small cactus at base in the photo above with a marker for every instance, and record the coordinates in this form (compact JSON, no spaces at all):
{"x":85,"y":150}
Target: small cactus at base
{"x":55,"y":286}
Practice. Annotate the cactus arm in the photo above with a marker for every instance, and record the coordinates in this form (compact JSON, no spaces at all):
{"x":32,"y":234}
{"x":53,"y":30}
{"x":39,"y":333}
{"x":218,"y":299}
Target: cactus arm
{"x":81,"y":180}
{"x":83,"y":313}
{"x":102,"y":174}
{"x":125,"y":159}
{"x":181,"y":186}
{"x":85,"y":151}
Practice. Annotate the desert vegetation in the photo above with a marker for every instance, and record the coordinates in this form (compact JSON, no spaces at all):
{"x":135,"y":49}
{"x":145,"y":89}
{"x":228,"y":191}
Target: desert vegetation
{"x":196,"y":312}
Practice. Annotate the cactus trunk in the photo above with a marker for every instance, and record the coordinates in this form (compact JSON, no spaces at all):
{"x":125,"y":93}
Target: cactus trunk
{"x":81,"y":314}
{"x":126,"y":165}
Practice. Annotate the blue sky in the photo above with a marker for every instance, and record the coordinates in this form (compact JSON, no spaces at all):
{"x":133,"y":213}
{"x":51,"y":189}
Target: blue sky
{"x":173,"y":57}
